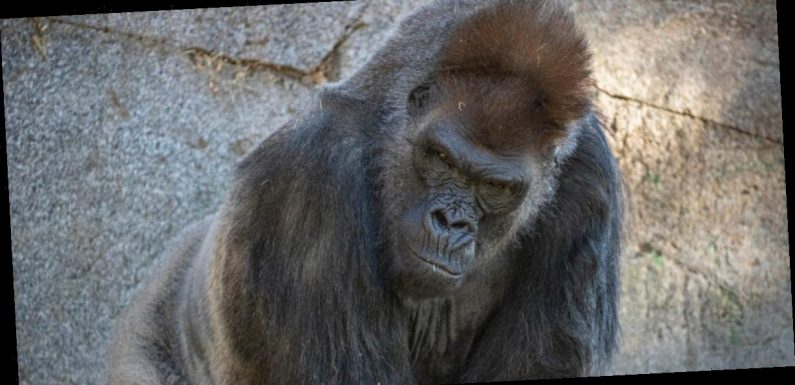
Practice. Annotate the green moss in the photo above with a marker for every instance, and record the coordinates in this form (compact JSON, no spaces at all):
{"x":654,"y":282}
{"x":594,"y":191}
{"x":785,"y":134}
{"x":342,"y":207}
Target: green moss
{"x":730,"y":306}
{"x":656,"y":257}
{"x":653,"y":177}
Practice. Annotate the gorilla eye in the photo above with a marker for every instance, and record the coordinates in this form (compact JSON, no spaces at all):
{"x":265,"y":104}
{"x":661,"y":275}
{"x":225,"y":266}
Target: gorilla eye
{"x":497,"y":185}
{"x":444,"y":158}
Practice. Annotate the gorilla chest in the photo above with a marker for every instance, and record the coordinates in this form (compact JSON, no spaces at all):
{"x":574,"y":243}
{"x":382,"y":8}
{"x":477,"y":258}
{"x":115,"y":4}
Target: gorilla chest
{"x":441,"y":335}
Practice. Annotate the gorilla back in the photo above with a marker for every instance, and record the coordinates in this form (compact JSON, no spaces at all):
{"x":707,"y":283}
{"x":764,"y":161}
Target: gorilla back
{"x":450,"y":213}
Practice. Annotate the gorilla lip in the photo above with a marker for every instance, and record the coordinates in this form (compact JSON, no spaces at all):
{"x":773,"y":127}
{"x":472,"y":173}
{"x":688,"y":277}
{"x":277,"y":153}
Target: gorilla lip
{"x":445,"y":270}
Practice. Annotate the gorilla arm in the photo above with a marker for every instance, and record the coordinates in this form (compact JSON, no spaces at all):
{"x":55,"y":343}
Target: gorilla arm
{"x":286,"y":287}
{"x":299,"y":291}
{"x":148,"y":334}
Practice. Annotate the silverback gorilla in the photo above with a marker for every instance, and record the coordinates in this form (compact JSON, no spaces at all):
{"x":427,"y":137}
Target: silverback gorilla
{"x":450,"y":213}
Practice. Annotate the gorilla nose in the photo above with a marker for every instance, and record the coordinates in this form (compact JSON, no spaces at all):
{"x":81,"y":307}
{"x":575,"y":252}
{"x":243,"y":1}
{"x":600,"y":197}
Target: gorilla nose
{"x":450,"y":221}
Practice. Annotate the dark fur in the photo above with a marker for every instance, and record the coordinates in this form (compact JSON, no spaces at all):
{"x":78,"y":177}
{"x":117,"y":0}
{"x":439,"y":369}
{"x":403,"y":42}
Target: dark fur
{"x":295,"y":281}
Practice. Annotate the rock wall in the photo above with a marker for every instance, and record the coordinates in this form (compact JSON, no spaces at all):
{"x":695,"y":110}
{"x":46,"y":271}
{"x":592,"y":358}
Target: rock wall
{"x":122,"y":128}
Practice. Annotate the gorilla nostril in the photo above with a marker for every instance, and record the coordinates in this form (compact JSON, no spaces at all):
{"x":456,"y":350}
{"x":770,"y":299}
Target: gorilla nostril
{"x":439,"y":219}
{"x":460,"y":225}
{"x":443,"y":221}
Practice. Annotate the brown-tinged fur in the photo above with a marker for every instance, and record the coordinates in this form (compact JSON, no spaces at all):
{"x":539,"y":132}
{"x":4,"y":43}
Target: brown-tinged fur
{"x":297,"y":279}
{"x":536,"y":74}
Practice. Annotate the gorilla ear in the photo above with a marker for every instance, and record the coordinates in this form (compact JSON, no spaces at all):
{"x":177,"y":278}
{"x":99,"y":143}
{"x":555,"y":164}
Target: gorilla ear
{"x":421,"y":98}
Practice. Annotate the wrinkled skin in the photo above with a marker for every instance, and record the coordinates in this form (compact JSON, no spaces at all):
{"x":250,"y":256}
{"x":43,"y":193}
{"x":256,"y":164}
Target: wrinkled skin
{"x":466,"y":200}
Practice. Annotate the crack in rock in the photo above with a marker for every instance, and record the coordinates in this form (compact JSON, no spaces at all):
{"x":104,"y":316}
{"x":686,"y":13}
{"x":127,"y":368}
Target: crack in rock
{"x":317,"y":75}
{"x":689,"y":115}
{"x":128,"y":35}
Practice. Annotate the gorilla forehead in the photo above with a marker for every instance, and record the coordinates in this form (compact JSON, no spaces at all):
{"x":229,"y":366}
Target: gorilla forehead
{"x":503,"y":112}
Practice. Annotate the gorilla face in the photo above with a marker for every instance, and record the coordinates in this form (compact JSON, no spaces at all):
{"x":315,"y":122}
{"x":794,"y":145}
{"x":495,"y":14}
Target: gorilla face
{"x":465,"y":189}
{"x":465,"y":196}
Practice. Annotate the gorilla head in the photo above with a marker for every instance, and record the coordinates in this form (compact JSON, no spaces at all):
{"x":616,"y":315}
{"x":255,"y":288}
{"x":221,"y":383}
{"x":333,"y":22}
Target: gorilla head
{"x":474,"y":157}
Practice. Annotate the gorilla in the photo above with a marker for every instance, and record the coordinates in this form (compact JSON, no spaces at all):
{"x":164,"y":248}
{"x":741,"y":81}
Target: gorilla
{"x":450,"y":213}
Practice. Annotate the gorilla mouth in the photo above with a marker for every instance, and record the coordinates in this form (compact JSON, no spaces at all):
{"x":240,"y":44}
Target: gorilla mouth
{"x":439,"y":267}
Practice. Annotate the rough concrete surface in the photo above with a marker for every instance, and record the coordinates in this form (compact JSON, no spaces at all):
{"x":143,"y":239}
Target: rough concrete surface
{"x":122,"y":128}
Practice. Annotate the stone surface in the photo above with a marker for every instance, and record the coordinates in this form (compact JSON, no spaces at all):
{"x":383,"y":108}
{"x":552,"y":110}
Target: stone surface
{"x":122,"y":128}
{"x":713,"y":59}
{"x":295,"y":35}
{"x":691,"y":93}
{"x":706,"y":266}
{"x":113,"y":145}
